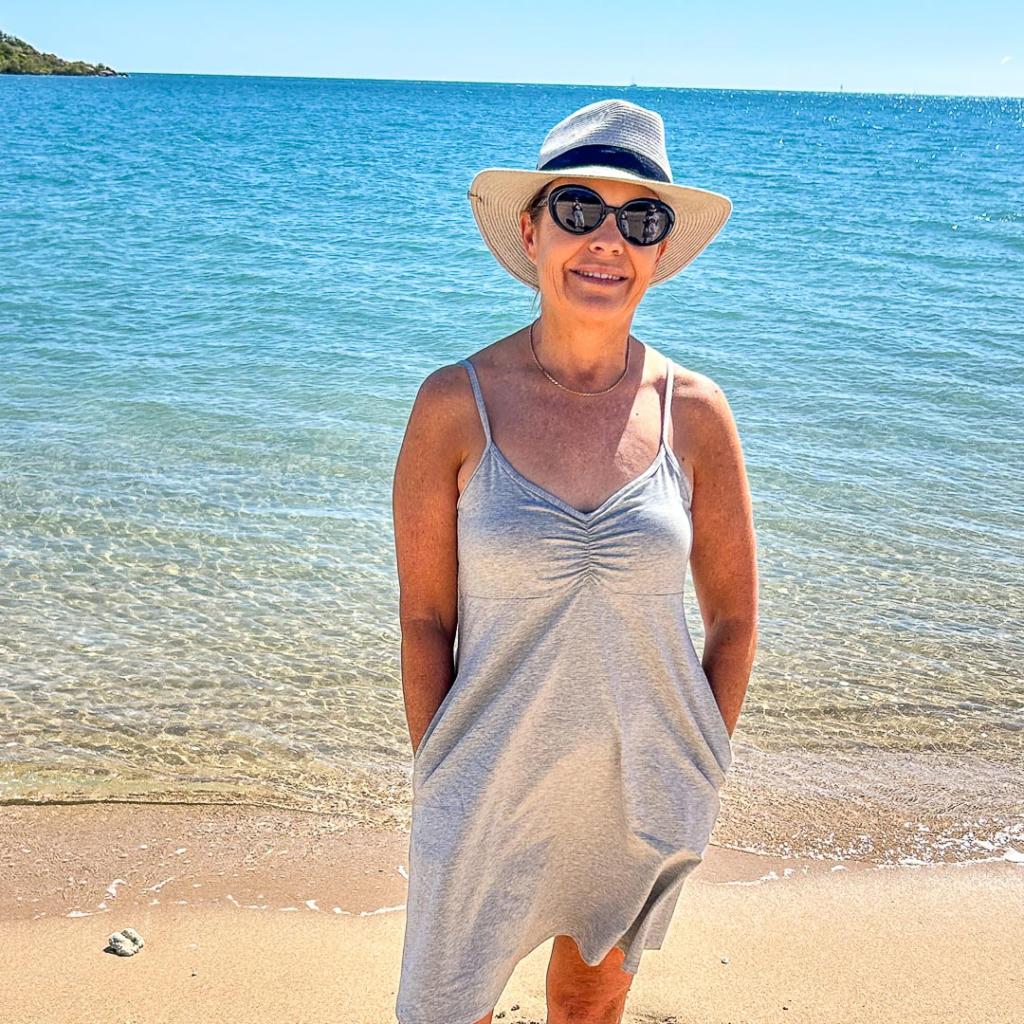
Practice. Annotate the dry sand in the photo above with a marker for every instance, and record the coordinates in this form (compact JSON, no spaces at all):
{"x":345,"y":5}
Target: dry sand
{"x":265,"y":915}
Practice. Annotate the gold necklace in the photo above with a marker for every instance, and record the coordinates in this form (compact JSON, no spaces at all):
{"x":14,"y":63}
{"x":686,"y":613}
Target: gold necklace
{"x":585,"y":394}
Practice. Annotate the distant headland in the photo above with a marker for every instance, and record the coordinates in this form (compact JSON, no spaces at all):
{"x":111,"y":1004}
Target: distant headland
{"x":18,"y":58}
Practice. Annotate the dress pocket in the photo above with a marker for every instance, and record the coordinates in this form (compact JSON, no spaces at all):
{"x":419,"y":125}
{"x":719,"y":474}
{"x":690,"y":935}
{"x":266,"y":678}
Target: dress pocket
{"x":425,"y":738}
{"x":720,"y":742}
{"x":421,"y":759}
{"x":719,"y":719}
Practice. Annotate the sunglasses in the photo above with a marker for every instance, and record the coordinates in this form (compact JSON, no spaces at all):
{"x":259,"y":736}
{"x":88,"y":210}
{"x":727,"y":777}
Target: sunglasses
{"x":580,"y":210}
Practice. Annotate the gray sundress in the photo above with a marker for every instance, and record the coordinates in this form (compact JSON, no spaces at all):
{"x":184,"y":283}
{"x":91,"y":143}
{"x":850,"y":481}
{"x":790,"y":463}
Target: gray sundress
{"x":569,"y":781}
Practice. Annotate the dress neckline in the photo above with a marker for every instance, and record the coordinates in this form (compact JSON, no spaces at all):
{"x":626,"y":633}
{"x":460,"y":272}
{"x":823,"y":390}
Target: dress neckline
{"x":553,"y":499}
{"x":664,"y":454}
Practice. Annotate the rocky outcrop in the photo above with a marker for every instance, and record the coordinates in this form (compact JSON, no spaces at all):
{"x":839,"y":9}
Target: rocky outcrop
{"x":18,"y":58}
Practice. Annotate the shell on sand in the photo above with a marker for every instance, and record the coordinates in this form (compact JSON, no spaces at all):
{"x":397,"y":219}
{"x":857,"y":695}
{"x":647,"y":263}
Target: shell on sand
{"x":126,"y":942}
{"x":122,"y":946}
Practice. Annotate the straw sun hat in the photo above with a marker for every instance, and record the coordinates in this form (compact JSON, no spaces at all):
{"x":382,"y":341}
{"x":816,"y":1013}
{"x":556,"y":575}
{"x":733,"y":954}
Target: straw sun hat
{"x":611,"y":139}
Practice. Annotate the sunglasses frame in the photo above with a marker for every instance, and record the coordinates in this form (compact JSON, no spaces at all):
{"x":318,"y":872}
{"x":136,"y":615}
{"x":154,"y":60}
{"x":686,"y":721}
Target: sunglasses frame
{"x":662,"y":206}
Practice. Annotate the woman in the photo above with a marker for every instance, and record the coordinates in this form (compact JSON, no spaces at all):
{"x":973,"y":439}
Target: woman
{"x":548,"y":493}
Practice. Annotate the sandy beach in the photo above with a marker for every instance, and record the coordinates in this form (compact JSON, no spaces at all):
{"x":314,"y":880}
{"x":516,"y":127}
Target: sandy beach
{"x":263,"y":915}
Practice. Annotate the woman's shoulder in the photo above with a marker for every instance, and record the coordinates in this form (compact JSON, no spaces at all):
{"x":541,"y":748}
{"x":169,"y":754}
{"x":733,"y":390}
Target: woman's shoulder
{"x":445,"y":398}
{"x":702,"y":420}
{"x":695,"y":393}
{"x":451,"y":384}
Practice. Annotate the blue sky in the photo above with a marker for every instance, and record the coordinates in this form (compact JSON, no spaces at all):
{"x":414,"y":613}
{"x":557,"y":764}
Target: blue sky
{"x":974,"y":48}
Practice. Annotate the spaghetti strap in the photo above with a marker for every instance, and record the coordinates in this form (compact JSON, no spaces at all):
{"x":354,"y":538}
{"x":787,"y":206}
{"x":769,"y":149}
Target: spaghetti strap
{"x":666,"y":415}
{"x":478,"y":395}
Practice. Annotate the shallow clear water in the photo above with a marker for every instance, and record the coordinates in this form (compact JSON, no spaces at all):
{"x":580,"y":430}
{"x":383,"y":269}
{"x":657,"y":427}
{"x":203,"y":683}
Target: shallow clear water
{"x":213,"y":321}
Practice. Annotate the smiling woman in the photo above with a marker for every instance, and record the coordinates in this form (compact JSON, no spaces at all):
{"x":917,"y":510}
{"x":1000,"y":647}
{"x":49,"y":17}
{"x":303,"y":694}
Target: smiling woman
{"x":550,"y":494}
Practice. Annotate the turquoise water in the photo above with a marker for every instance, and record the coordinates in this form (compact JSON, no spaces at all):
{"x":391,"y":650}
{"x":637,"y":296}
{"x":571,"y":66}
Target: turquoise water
{"x":220,"y":295}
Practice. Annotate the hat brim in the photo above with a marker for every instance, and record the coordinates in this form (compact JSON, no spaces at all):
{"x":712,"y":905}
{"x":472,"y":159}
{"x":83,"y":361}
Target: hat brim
{"x":499,"y":195}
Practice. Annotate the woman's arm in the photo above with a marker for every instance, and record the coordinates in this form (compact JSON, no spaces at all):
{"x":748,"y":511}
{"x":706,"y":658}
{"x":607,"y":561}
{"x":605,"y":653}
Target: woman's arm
{"x":723,"y":562}
{"x":424,"y":496}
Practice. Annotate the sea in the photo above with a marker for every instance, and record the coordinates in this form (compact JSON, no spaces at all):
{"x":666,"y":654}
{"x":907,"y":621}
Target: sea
{"x":218,"y":297}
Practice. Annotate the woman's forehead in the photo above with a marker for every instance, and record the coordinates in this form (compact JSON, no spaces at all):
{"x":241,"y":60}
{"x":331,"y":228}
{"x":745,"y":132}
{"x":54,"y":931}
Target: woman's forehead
{"x":611,"y":190}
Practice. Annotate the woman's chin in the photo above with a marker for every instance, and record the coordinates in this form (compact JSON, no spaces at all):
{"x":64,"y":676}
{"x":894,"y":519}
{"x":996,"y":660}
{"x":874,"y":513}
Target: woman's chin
{"x":594,"y":305}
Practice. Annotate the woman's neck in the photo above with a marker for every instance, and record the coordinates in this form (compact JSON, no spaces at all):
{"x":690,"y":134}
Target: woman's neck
{"x":587,"y":356}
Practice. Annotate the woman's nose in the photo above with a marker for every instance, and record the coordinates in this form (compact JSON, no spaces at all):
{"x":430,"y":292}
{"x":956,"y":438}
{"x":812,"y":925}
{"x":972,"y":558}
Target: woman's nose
{"x":607,"y":238}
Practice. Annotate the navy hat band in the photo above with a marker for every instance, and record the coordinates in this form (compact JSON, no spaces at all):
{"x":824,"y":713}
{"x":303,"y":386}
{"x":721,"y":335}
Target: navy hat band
{"x":607,"y":156}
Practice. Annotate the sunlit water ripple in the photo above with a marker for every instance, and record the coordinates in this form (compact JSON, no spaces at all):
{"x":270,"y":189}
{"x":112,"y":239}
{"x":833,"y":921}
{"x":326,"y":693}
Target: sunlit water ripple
{"x":219,"y":297}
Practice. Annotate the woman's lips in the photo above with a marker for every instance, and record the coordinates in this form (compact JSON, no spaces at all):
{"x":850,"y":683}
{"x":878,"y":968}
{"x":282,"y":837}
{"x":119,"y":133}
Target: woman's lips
{"x":599,"y":276}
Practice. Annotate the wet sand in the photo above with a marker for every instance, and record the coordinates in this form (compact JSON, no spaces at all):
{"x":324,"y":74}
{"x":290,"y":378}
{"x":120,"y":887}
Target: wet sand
{"x":266,"y":915}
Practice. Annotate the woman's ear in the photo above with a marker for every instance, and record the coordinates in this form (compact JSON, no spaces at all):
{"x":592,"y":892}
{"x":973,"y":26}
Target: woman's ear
{"x":528,"y":230}
{"x":661,"y":252}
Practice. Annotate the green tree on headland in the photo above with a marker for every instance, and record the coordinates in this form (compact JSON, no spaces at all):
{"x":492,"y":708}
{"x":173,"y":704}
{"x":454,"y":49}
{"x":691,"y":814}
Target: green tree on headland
{"x":18,"y":58}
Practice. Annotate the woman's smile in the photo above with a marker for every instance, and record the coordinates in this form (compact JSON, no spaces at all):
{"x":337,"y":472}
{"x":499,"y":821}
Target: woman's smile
{"x":600,"y":277}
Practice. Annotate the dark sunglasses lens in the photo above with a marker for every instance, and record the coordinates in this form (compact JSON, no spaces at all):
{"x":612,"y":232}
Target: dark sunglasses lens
{"x":645,"y":222}
{"x":576,"y":209}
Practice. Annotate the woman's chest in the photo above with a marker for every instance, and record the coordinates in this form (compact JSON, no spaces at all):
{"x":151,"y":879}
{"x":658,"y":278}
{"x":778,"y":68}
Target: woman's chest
{"x":515,"y":540}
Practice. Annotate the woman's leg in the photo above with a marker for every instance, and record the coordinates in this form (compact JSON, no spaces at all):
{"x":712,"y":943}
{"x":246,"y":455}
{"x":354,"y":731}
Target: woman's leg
{"x":580,"y":994}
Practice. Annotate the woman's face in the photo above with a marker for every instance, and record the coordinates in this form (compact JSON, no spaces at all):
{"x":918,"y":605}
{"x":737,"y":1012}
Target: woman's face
{"x":566,"y":262}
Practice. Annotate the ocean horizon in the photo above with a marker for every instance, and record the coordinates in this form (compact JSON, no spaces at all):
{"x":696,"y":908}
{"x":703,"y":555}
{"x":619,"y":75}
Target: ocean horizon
{"x":221,"y":294}
{"x":618,"y":89}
